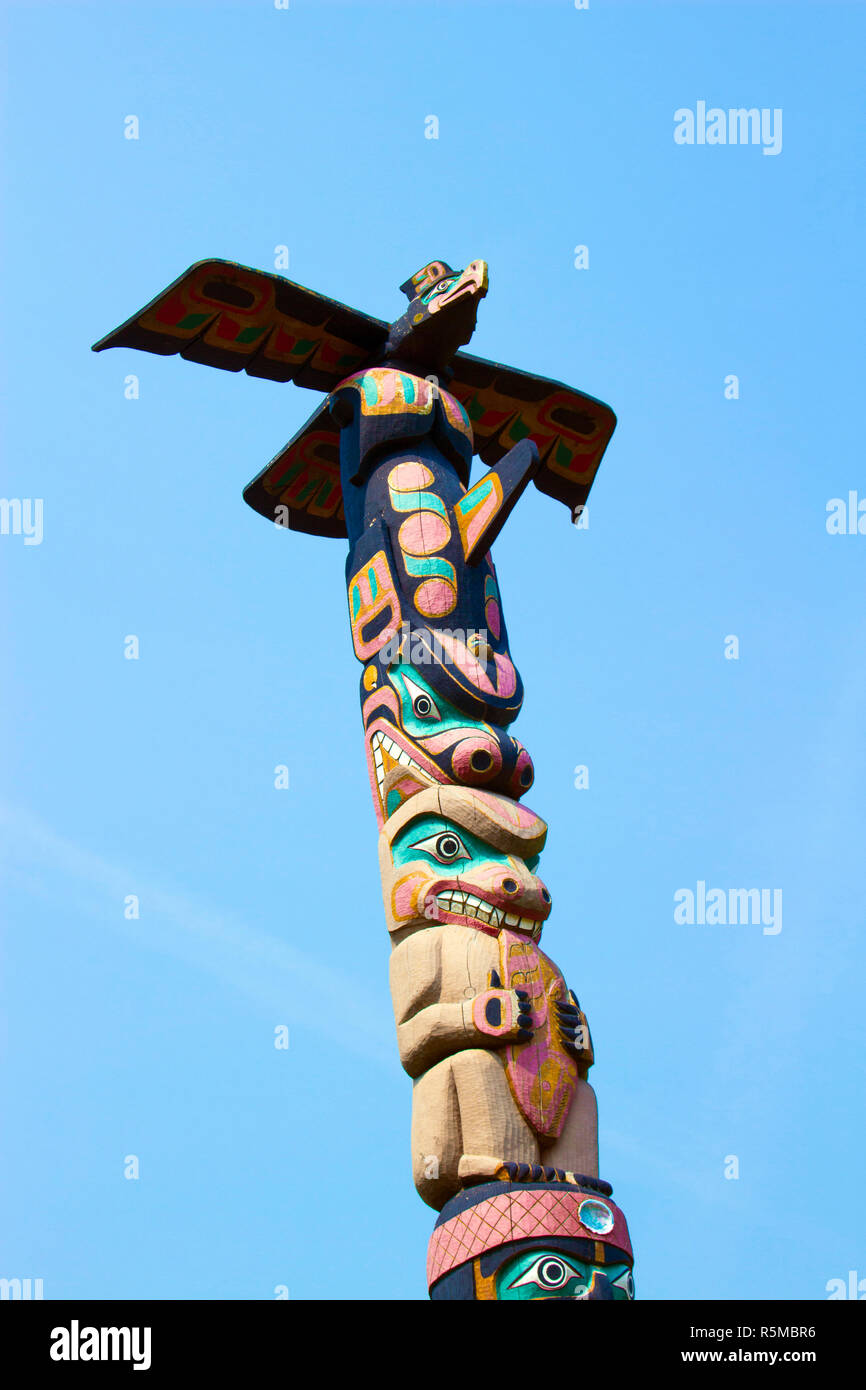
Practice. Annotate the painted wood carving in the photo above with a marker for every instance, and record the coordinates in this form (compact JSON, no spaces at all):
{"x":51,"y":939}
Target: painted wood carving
{"x":504,"y":1128}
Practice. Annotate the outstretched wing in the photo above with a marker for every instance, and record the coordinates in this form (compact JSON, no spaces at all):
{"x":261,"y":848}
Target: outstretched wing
{"x":229,"y":316}
{"x":572,"y":430}
{"x":300,"y":488}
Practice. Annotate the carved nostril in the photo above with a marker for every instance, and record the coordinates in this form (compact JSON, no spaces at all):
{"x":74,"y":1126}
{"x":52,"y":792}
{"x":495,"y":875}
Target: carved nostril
{"x":481,"y":760}
{"x":545,"y":895}
{"x":527,"y":777}
{"x":510,"y":885}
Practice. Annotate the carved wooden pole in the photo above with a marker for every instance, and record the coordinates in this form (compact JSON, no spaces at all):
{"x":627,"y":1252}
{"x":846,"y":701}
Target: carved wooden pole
{"x":504,"y":1129}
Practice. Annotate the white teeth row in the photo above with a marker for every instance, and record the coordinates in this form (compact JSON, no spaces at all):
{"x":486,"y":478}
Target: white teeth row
{"x":468,"y":905}
{"x":530,"y":925}
{"x":380,"y":741}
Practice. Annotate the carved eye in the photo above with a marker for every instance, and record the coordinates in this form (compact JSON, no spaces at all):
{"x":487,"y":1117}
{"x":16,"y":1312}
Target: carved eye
{"x":423,"y":705}
{"x":446,"y":847}
{"x":625,"y":1281}
{"x":442,"y":286}
{"x":548,"y":1272}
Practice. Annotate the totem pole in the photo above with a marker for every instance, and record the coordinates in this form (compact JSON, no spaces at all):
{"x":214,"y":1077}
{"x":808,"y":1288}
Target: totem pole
{"x":504,"y":1127}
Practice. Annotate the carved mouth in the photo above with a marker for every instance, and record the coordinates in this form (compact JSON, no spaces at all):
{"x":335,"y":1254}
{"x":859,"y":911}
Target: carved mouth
{"x":380,"y":743}
{"x":458,"y":291}
{"x":460,"y":903}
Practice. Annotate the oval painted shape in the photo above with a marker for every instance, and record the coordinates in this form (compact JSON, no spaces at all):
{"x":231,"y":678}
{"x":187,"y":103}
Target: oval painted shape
{"x":406,"y":477}
{"x":435,"y":598}
{"x":423,"y":533}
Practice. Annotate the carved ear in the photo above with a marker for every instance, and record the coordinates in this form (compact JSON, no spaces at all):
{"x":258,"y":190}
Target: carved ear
{"x":425,"y":278}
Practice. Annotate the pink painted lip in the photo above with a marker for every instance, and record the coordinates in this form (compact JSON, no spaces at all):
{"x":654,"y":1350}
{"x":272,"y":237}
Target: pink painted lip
{"x":453,"y":920}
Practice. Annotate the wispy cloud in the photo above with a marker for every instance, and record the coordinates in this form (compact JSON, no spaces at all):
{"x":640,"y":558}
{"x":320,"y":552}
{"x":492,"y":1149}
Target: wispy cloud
{"x":276,"y":976}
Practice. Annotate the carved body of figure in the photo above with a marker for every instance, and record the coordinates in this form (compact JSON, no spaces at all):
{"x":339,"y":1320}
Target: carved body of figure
{"x":497,"y":1047}
{"x":421,"y":584}
{"x":419,"y":563}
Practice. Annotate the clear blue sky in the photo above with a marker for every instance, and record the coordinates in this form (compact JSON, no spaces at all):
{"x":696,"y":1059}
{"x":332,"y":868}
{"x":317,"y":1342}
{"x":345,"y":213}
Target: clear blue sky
{"x":155,"y":777}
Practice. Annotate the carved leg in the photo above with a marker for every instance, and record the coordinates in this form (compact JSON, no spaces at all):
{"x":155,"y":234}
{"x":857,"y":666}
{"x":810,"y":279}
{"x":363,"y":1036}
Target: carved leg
{"x":464,"y":1106}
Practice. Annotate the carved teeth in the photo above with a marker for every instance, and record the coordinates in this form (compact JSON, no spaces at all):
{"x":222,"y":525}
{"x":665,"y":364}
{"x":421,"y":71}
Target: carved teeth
{"x":380,"y":742}
{"x":469,"y":905}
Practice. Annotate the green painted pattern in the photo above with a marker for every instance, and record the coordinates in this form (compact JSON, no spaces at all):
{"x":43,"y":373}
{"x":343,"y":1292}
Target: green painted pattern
{"x":417,"y":502}
{"x":474,"y":498}
{"x":290,"y":473}
{"x":518,"y":430}
{"x":370,"y":388}
{"x":193,"y":320}
{"x":306,"y":493}
{"x":409,"y":392}
{"x":429,"y":566}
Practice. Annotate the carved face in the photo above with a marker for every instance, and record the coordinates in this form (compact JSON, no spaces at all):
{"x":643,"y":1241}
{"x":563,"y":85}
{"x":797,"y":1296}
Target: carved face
{"x":464,"y":858}
{"x":567,"y":1241}
{"x":440,"y":318}
{"x":407,"y":722}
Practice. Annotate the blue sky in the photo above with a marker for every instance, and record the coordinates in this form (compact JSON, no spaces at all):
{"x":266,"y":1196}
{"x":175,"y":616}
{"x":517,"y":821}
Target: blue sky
{"x":155,"y":777}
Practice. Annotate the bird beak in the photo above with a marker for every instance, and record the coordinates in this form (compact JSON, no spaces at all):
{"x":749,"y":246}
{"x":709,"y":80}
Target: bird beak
{"x":472,"y":282}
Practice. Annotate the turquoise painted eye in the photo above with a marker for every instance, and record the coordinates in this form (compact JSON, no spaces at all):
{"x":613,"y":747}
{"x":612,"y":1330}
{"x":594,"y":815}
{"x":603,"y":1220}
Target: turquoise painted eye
{"x":439,"y":289}
{"x":423,"y":705}
{"x":445,"y":848}
{"x":623,"y":1283}
{"x":550,"y":1273}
